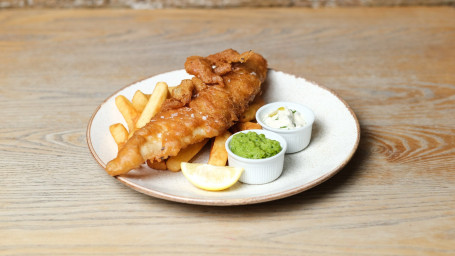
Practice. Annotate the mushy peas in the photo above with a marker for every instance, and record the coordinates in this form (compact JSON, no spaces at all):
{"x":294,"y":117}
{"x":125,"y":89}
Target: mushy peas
{"x":254,"y":146}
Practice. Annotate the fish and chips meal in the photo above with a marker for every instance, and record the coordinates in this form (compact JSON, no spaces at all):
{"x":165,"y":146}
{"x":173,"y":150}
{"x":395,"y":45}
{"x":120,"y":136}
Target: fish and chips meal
{"x":172,"y":124}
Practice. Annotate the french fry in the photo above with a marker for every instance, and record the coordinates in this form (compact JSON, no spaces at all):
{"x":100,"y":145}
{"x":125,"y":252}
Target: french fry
{"x":127,"y":110}
{"x":242,"y":126}
{"x":185,"y":155}
{"x":250,"y":112}
{"x":170,"y":89}
{"x":153,"y":105}
{"x":119,"y":133}
{"x":218,"y":154}
{"x":157,"y":165}
{"x":140,"y":100}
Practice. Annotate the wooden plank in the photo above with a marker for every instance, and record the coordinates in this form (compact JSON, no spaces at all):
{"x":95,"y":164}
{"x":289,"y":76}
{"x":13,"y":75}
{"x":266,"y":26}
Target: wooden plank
{"x":394,"y":67}
{"x":159,"y":4}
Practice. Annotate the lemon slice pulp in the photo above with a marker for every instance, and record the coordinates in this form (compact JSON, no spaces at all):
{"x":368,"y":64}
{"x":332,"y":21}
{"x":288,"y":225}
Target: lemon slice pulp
{"x":211,"y":177}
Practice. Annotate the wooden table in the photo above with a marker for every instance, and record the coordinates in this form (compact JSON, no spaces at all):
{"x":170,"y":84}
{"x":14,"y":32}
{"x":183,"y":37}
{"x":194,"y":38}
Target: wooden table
{"x":394,"y":66}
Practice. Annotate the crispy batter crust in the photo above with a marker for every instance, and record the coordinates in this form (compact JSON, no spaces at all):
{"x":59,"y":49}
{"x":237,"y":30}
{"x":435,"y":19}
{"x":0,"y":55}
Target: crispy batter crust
{"x":201,"y":108}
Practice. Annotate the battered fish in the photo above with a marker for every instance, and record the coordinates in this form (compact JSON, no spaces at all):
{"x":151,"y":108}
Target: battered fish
{"x":204,"y":107}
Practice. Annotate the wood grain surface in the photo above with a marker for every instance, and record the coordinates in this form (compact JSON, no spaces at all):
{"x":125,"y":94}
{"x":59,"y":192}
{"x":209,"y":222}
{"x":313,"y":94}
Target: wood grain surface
{"x":160,"y":4}
{"x":394,"y":66}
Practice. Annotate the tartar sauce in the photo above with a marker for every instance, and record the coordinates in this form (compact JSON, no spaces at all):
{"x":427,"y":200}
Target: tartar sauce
{"x":284,"y":118}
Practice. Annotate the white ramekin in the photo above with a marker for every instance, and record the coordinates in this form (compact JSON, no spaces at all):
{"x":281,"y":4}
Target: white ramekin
{"x":298,"y":138}
{"x":259,"y":171}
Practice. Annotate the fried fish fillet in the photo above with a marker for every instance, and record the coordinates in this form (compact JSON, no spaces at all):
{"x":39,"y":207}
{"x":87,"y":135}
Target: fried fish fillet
{"x":203,"y":107}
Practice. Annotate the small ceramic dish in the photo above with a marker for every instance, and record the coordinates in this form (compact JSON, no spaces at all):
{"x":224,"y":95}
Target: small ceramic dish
{"x":297,"y":138}
{"x":259,"y":171}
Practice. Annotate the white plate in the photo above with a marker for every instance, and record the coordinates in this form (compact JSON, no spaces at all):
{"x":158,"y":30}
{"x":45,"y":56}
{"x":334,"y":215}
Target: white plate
{"x":334,"y":140}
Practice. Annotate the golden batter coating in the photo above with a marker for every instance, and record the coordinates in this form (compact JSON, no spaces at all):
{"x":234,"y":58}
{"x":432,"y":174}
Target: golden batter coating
{"x":217,"y":99}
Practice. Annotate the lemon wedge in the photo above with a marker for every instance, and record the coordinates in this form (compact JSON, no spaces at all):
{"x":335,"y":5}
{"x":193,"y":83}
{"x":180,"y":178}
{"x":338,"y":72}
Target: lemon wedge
{"x":211,"y":177}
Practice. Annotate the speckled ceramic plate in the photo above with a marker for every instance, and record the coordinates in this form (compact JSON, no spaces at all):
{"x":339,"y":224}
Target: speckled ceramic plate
{"x":334,"y":140}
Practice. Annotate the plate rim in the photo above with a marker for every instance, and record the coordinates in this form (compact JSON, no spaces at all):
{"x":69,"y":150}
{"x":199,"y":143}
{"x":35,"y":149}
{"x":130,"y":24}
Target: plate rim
{"x":236,"y":201}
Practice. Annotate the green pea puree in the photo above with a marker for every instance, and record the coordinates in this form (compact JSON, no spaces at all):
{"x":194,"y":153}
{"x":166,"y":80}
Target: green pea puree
{"x":254,"y":146}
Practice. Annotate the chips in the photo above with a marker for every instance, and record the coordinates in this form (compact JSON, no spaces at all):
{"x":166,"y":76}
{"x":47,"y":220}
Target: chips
{"x":185,"y":155}
{"x":153,"y":105}
{"x":119,"y":133}
{"x":243,"y":126}
{"x":218,"y":154}
{"x":140,"y":100}
{"x":250,"y":113}
{"x":127,"y":110}
{"x":143,"y":107}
